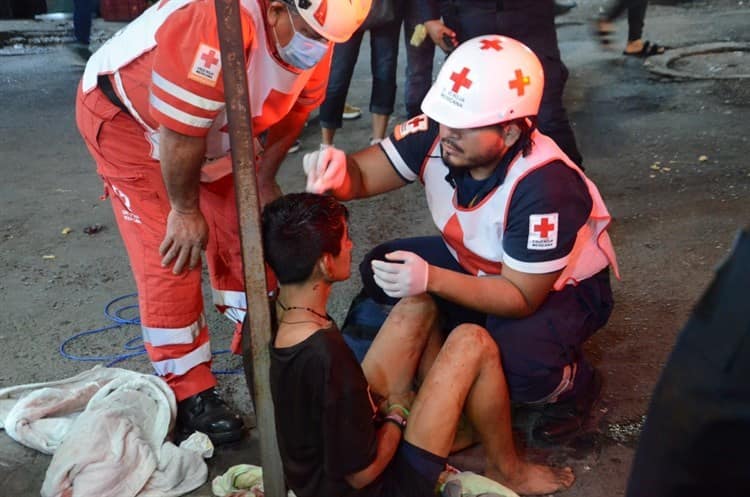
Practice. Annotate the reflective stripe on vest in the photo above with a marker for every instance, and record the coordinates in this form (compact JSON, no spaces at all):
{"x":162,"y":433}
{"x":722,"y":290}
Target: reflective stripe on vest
{"x":474,"y":236}
{"x":159,"y":337}
{"x":182,"y":365}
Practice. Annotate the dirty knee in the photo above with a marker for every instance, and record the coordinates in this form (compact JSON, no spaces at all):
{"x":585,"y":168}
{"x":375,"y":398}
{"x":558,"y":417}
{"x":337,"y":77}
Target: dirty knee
{"x":422,"y":304}
{"x":472,"y":340}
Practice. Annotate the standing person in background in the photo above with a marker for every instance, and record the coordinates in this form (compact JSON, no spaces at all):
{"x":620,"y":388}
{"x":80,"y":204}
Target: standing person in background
{"x":383,"y":64}
{"x":151,"y":109}
{"x":420,"y":55}
{"x":82,"y":11}
{"x":636,"y":46}
{"x":530,"y":22}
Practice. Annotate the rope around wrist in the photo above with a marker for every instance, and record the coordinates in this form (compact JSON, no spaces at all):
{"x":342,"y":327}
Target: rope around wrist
{"x":401,"y":408}
{"x":397,"y":420}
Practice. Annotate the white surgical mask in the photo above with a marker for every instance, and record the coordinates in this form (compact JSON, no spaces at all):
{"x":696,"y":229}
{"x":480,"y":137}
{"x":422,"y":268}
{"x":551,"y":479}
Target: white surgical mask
{"x":301,"y":52}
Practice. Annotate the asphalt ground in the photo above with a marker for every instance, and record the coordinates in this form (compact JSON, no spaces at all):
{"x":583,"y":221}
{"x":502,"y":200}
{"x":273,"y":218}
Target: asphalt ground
{"x":668,"y":154}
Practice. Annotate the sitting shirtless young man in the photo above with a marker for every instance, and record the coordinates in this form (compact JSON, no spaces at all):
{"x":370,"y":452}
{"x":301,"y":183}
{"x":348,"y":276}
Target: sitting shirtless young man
{"x":351,"y":430}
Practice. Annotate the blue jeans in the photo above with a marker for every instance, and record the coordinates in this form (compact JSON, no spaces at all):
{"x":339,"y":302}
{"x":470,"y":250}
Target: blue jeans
{"x":383,"y":61}
{"x":419,"y":63}
{"x":82,"y":20}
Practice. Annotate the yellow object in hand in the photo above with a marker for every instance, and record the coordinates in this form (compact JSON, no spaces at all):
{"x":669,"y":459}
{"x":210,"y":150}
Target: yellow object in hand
{"x":418,"y":36}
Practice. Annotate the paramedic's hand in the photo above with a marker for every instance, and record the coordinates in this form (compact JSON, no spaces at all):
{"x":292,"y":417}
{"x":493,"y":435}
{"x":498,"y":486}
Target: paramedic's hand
{"x":441,"y":35}
{"x":401,"y":279}
{"x":187,"y":234}
{"x":325,"y":169}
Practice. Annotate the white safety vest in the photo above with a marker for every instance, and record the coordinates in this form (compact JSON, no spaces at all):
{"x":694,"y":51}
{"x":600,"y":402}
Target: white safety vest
{"x":475,"y":235}
{"x":267,"y":77}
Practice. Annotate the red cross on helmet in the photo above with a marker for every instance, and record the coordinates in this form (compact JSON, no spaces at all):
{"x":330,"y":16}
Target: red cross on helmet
{"x":486,"y":80}
{"x":336,"y":20}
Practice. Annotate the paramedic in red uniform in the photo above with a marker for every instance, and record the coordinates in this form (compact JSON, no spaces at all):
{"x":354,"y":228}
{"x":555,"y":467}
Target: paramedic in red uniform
{"x":523,"y":249}
{"x":151,"y":110}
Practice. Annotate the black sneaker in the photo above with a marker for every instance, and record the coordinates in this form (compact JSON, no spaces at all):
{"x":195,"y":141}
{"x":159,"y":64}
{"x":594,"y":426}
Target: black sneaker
{"x":208,"y":413}
{"x":566,"y":418}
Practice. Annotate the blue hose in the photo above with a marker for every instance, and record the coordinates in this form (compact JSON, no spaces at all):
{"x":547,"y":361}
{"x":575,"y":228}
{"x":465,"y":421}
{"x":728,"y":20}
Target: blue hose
{"x":134,"y":347}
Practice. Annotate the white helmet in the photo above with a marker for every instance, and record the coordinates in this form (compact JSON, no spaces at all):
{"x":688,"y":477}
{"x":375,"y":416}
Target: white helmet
{"x":336,"y":20}
{"x":486,"y":80}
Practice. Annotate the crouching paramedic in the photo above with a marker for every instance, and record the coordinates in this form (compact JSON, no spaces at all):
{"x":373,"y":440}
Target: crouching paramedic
{"x":333,"y":440}
{"x":151,"y":109}
{"x":523,"y":249}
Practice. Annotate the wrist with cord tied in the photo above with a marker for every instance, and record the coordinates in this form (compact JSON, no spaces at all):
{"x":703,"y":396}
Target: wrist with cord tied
{"x":396,"y":419}
{"x":404,"y":411}
{"x":397,"y":414}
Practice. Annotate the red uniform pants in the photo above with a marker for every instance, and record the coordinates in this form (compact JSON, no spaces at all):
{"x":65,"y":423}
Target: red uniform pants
{"x":174,"y":327}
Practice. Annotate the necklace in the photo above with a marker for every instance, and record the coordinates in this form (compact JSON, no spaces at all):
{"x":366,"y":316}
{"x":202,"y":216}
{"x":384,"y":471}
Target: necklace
{"x":300,"y":322}
{"x":289,"y":308}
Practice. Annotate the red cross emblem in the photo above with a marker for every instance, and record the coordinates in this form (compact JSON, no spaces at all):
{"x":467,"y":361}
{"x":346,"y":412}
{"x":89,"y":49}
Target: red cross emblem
{"x":544,"y":228}
{"x":209,"y":59}
{"x":321,"y":12}
{"x":519,"y":83}
{"x":493,"y":43}
{"x":460,"y":80}
{"x":416,"y":120}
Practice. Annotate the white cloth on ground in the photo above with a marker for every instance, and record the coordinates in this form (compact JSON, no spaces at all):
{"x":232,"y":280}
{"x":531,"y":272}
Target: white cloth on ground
{"x":107,"y":429}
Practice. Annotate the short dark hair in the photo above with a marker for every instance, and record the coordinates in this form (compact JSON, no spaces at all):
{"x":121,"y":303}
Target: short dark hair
{"x":298,"y":229}
{"x":527,"y":126}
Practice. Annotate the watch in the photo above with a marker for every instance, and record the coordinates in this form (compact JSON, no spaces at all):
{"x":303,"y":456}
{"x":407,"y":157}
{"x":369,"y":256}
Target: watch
{"x":396,"y":419}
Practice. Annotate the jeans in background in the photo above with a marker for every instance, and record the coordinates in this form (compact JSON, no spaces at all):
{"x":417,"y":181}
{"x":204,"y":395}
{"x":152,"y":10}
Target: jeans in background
{"x":419,"y":64}
{"x":82,"y":10}
{"x":383,"y":62}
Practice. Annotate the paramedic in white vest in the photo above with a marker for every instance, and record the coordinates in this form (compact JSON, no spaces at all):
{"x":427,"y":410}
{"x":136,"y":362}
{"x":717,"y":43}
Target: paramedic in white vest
{"x":151,"y":109}
{"x":523,"y":249}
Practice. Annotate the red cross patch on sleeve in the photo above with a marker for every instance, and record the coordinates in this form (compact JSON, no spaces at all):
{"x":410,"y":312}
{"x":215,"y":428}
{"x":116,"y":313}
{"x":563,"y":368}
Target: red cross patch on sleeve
{"x":206,"y":65}
{"x":542,"y":231}
{"x":413,"y":125}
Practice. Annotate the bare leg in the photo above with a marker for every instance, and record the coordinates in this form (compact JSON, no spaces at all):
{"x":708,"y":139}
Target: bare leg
{"x":431,"y":350}
{"x":379,"y":126}
{"x":466,"y":435}
{"x":391,"y":363}
{"x":326,"y":135}
{"x":467,"y":372}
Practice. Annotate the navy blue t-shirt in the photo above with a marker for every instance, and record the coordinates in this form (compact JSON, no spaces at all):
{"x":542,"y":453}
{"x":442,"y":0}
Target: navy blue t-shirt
{"x":553,"y":197}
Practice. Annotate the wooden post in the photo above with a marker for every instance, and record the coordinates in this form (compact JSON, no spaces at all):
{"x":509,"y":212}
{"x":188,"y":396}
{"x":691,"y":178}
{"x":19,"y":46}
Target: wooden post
{"x":259,"y":318}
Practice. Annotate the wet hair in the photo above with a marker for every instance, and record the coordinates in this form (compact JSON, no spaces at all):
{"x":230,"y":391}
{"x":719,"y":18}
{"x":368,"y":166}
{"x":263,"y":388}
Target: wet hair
{"x":298,"y":229}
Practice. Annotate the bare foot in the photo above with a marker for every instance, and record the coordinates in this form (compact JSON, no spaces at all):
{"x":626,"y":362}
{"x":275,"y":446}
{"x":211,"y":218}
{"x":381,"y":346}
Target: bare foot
{"x":535,"y":479}
{"x":634,"y":46}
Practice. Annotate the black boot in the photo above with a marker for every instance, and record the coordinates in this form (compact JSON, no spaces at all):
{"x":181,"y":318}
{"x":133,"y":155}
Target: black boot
{"x":566,"y":418}
{"x":207,"y":413}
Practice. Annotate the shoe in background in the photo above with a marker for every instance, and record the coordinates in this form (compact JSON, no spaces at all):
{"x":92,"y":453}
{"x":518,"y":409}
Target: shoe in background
{"x":351,"y":112}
